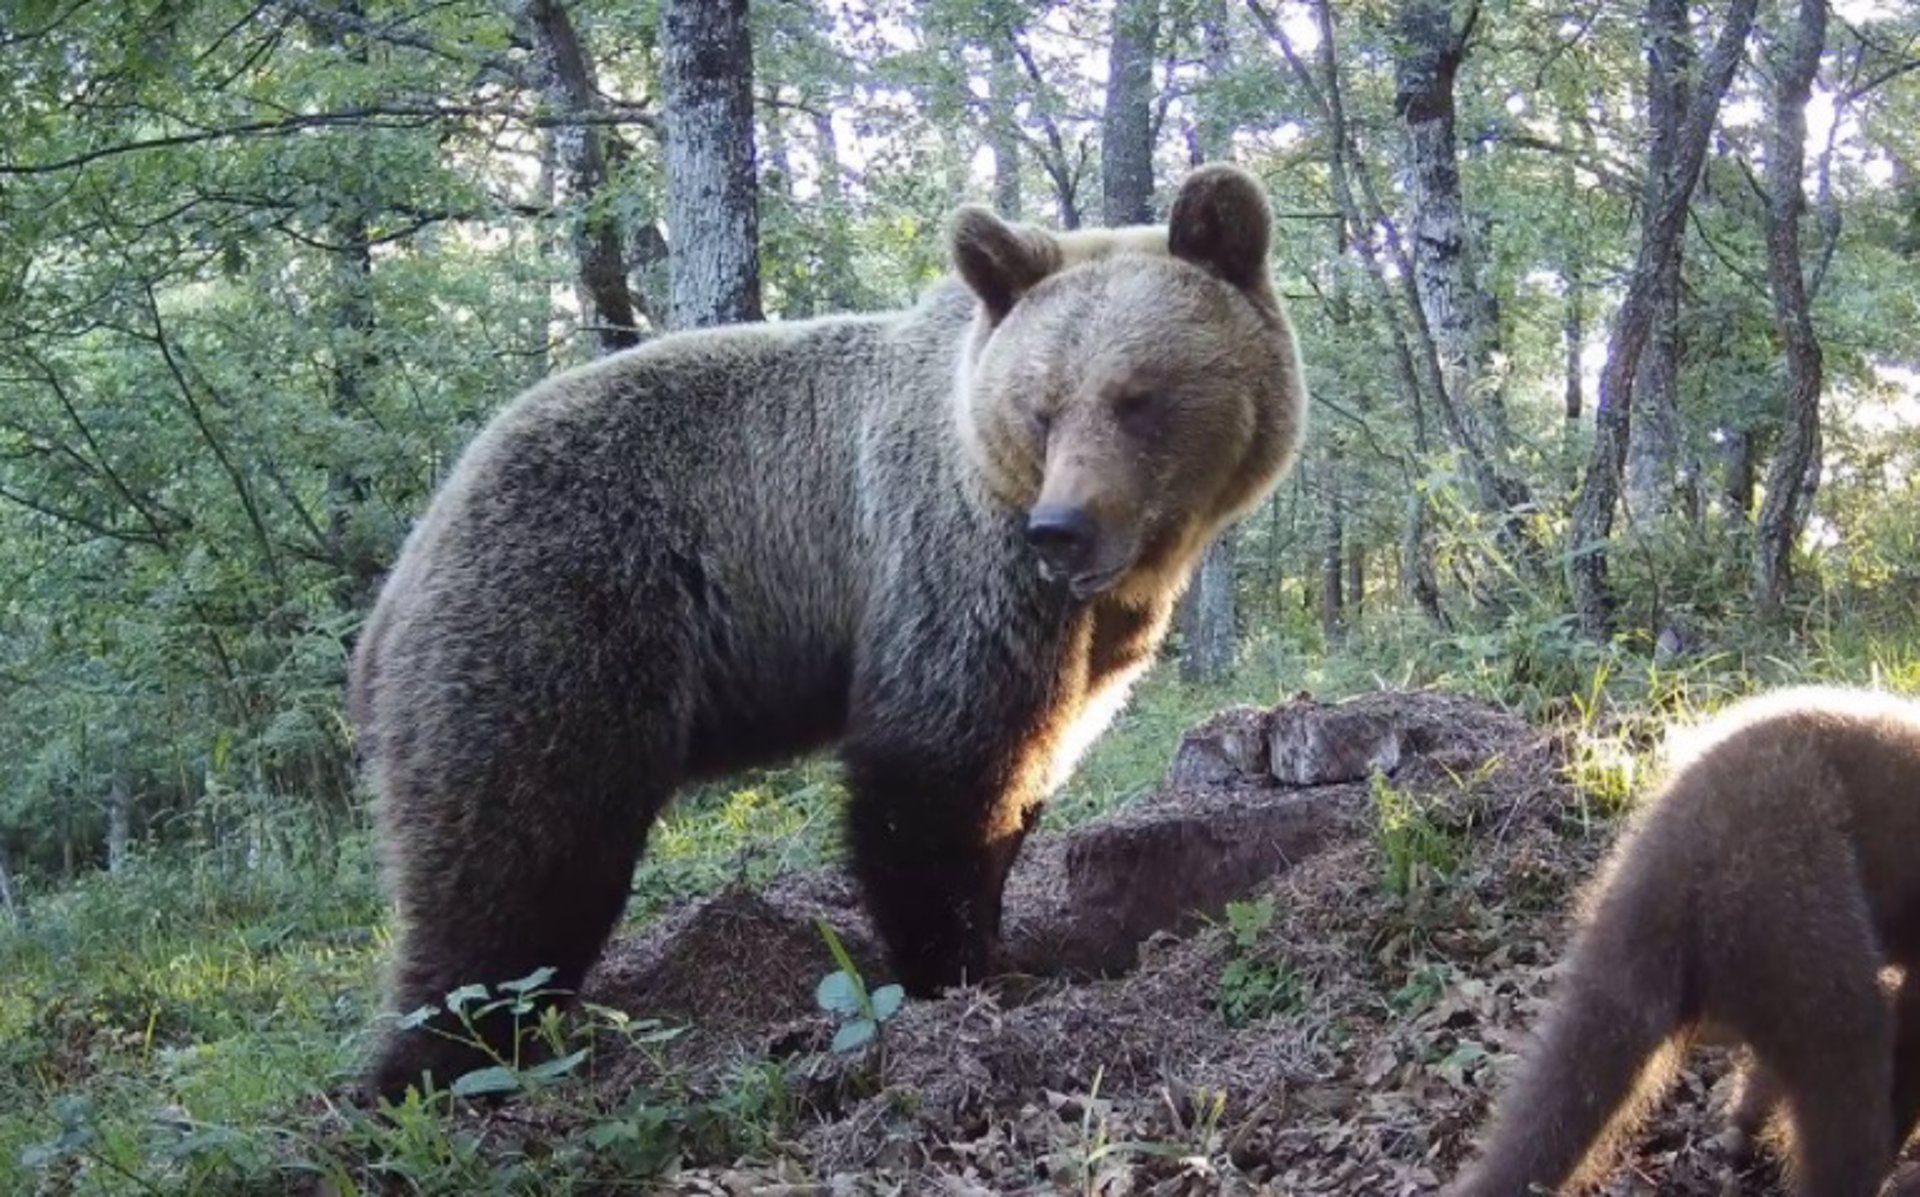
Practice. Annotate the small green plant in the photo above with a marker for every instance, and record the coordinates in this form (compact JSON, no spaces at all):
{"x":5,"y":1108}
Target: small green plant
{"x":533,"y":1023}
{"x":1416,"y":851}
{"x":843,"y":994}
{"x":1253,"y":987}
{"x":1423,"y":987}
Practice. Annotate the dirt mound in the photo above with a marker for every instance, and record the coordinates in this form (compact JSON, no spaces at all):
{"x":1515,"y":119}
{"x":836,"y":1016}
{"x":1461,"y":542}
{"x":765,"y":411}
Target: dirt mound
{"x":1343,"y":1035}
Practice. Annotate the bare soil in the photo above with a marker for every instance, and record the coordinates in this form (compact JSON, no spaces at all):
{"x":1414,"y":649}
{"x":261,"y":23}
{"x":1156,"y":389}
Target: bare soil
{"x":1104,"y":1061}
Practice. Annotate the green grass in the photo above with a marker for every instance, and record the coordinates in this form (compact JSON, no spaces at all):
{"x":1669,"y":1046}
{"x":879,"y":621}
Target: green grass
{"x":172,"y":1028}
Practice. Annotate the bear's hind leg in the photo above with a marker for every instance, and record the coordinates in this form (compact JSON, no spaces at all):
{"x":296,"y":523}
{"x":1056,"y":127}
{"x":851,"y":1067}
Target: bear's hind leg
{"x":513,"y":822}
{"x":486,"y":918}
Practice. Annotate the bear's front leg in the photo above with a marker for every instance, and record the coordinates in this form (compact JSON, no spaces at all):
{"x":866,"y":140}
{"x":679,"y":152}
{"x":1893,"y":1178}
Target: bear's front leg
{"x":933,"y":840}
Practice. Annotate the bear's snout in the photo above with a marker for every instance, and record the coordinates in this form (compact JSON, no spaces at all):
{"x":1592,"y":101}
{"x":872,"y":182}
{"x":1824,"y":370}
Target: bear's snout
{"x":1063,"y":537}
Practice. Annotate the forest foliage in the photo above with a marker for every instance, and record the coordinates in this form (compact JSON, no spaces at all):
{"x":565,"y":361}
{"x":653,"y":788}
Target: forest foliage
{"x":266,"y":267}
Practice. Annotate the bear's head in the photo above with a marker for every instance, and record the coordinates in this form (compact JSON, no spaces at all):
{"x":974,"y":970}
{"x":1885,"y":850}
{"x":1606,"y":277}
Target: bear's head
{"x":1128,"y":391}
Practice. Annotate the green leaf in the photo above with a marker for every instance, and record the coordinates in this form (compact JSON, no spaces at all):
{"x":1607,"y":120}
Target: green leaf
{"x":555,"y":1068}
{"x":608,"y":1133}
{"x":834,"y":946}
{"x":855,"y":1035}
{"x":532,"y":981}
{"x":838,"y":993}
{"x":417,"y":1018}
{"x":464,"y":996}
{"x":887,"y":1001}
{"x":482,"y":1081}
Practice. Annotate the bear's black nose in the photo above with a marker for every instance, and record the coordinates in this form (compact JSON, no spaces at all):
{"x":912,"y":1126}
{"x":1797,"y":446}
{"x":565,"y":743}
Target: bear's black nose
{"x":1063,"y":536}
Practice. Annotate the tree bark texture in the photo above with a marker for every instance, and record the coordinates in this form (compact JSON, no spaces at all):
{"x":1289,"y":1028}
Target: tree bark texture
{"x":1498,"y":491}
{"x":1736,"y":473}
{"x":1793,"y":473}
{"x":1126,"y":130}
{"x":1214,"y":130}
{"x":9,"y":900}
{"x":119,"y":817}
{"x":1002,"y":133}
{"x":567,"y":83}
{"x":1333,"y":612}
{"x":1445,"y":255}
{"x":713,"y":219}
{"x":1208,"y":620}
{"x":1662,"y":224}
{"x":1655,"y":433}
{"x":1209,"y":612}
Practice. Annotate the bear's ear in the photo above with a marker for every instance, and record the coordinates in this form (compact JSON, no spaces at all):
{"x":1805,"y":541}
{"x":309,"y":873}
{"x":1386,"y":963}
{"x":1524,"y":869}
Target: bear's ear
{"x":999,"y":261}
{"x":1221,"y":222}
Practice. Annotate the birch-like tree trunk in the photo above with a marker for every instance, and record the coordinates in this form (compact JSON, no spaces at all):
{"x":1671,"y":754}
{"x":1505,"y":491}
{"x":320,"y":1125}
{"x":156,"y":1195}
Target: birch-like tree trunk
{"x":1002,"y":131}
{"x":1655,"y":433}
{"x":713,"y":217}
{"x":836,"y":270}
{"x":566,"y":80}
{"x":1446,"y":256}
{"x":1126,"y":130}
{"x":1209,"y":614}
{"x":119,"y":815}
{"x":1793,"y":474}
{"x":1332,"y":545}
{"x":1662,"y":224}
{"x":9,"y":898}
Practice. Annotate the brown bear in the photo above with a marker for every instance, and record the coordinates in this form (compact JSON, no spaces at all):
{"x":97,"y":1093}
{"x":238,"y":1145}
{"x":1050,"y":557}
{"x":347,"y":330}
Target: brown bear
{"x":1758,"y":900}
{"x":946,"y":538}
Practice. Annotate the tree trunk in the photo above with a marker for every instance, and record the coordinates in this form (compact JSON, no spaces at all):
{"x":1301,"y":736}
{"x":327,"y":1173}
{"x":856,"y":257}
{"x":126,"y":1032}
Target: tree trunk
{"x":1417,"y":573}
{"x":1126,"y":132}
{"x":1792,"y":476}
{"x":1661,"y":225}
{"x":1356,"y":575}
{"x":1574,"y":337}
{"x":712,"y":211}
{"x":567,"y":83}
{"x":1209,"y":612}
{"x":1737,"y":470}
{"x":119,"y":817}
{"x":1001,"y":128}
{"x":1214,"y":130}
{"x":1332,"y":547}
{"x":1498,"y":491}
{"x":1654,"y":437}
{"x":9,"y":897}
{"x":1445,"y":253}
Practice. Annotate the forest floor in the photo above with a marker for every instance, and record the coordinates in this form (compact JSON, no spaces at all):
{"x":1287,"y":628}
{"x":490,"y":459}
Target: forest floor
{"x":1386,"y":886}
{"x":1338,"y":1028}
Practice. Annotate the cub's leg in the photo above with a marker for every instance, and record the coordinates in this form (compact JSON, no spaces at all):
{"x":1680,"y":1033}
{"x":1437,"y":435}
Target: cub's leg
{"x":1757,"y":1097}
{"x":1800,"y":984}
{"x":1906,"y":1058}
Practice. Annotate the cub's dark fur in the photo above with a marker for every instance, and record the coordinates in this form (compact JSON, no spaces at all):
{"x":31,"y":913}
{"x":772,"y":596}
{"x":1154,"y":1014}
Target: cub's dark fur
{"x":1757,"y":900}
{"x":730,"y":546}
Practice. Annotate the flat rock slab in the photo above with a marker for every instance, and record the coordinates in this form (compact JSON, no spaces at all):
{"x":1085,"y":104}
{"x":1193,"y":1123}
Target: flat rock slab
{"x":1251,"y":792}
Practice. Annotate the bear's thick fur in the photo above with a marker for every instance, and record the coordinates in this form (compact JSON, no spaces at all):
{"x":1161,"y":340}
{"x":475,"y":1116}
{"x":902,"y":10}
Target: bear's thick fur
{"x":946,"y":538}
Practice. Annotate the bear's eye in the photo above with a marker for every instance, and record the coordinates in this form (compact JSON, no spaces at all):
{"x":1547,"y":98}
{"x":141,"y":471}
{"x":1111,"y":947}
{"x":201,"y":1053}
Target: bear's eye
{"x":1137,"y":409}
{"x":1041,"y":421}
